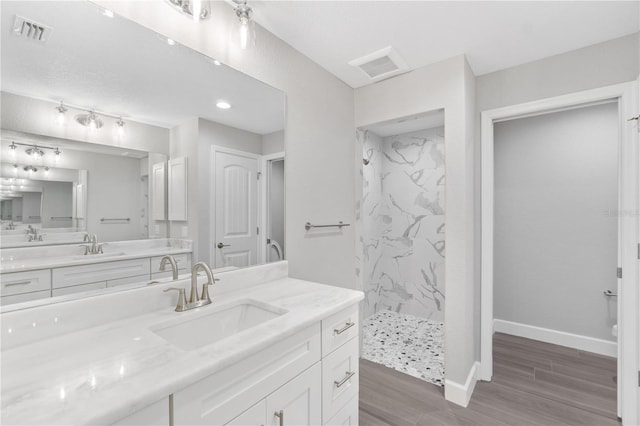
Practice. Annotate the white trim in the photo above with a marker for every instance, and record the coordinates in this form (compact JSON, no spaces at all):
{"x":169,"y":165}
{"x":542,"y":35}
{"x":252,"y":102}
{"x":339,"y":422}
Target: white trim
{"x":628,"y":322}
{"x":461,"y":394}
{"x":562,"y":338}
{"x":212,"y":198}
{"x":262,"y":238}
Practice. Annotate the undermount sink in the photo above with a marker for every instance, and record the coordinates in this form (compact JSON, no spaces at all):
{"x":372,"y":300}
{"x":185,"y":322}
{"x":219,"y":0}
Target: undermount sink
{"x":97,"y":256}
{"x":210,"y":326}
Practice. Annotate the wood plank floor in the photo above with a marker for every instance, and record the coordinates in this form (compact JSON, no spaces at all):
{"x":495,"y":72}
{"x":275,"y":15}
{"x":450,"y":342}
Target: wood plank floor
{"x":534,"y":383}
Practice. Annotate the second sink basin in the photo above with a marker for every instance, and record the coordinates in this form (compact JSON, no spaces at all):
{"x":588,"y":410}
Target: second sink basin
{"x":203,"y":327}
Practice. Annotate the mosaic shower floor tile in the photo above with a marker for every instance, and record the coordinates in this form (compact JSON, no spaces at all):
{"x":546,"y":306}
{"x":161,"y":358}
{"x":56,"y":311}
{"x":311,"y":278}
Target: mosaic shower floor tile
{"x":406,"y":343}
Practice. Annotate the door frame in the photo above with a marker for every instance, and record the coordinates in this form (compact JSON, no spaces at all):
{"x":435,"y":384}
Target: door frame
{"x":263,"y":189}
{"x":212,"y":198}
{"x":626,"y":95}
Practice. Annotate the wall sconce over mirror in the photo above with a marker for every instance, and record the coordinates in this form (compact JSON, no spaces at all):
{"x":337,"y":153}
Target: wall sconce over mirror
{"x":195,"y":9}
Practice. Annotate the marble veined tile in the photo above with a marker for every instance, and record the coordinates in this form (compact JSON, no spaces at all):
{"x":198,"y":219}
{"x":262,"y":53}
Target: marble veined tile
{"x":406,"y":343}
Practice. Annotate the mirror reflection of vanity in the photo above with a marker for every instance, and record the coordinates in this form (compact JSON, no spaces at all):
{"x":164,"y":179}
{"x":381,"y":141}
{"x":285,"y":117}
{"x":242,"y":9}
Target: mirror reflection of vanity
{"x":136,"y":138}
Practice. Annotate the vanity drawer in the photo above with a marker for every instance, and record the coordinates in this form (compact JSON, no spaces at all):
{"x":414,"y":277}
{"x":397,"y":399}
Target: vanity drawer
{"x":25,"y":282}
{"x":219,"y":398}
{"x":78,"y":288}
{"x":141,"y":279}
{"x":340,"y":378}
{"x":183,"y":261}
{"x":339,"y":328}
{"x":25,"y":297}
{"x":346,"y":416}
{"x":84,"y":274}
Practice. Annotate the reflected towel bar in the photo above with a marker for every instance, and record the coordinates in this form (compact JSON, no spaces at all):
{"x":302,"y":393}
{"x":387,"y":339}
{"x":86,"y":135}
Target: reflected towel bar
{"x":61,"y":218}
{"x":113,"y":219}
{"x":308,"y":225}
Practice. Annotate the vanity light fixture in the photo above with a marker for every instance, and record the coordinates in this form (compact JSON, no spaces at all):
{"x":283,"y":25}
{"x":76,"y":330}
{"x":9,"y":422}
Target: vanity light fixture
{"x":15,"y":169}
{"x":13,"y":147}
{"x":35,"y":152}
{"x":57,"y":152}
{"x":223,"y":105}
{"x":195,"y":9}
{"x":246,"y":28}
{"x":29,"y":169}
{"x":60,"y":118}
{"x":90,"y":120}
{"x":46,"y":171}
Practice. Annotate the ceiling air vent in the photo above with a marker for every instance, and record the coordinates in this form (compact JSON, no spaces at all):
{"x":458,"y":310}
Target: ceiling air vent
{"x":31,"y":30}
{"x":380,"y":64}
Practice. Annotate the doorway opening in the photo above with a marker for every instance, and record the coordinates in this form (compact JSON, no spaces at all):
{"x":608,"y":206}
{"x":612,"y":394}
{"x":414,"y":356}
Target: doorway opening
{"x":555,"y":176}
{"x":402,"y":225}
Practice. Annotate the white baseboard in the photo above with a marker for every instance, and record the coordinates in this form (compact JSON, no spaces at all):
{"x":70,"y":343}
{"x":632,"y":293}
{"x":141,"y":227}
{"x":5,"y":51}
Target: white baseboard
{"x":570,"y":340}
{"x":461,"y":394}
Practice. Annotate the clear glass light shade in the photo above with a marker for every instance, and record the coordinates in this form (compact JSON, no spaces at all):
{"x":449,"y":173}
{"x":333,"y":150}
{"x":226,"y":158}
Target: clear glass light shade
{"x":246,"y":32}
{"x":60,"y":118}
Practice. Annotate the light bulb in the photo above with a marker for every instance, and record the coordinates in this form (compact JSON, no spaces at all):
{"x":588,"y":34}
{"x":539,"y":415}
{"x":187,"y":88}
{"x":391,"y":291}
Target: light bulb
{"x":196,"y":9}
{"x":46,"y":171}
{"x":120,"y":125}
{"x":60,"y":118}
{"x":244,"y":32}
{"x":13,"y":149}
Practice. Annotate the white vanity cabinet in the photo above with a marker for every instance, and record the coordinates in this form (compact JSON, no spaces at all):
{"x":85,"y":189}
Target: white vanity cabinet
{"x":25,"y":286}
{"x":309,"y":378}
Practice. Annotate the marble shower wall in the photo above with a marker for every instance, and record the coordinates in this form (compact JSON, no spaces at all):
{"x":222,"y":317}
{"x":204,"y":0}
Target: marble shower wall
{"x":402,"y":223}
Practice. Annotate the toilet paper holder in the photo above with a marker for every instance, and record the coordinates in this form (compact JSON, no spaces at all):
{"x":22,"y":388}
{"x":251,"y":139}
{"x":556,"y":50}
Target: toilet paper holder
{"x":609,"y":293}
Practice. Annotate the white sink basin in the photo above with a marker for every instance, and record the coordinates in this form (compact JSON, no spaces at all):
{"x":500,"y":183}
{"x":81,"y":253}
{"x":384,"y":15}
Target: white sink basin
{"x":207,"y":325}
{"x":97,"y":256}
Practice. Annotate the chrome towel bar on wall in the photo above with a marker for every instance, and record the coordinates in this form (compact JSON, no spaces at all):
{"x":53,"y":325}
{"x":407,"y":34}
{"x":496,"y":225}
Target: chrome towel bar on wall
{"x":308,"y":225}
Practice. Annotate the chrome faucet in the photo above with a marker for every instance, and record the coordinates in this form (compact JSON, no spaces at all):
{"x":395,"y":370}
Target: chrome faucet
{"x":193,"y":296}
{"x":33,"y":235}
{"x":174,"y":265}
{"x":94,"y":247}
{"x":194,"y":300}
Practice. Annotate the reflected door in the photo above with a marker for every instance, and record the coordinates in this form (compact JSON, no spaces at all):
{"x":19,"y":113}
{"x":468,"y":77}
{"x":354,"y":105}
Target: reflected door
{"x":236,"y":210}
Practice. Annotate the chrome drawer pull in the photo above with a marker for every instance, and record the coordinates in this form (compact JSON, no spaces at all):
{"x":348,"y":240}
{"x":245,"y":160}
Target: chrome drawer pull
{"x":280,"y":415}
{"x":349,"y":374}
{"x":17,"y":283}
{"x":343,"y":329}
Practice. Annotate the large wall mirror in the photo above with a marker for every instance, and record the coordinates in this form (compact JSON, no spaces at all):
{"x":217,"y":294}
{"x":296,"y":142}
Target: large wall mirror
{"x":93,"y":104}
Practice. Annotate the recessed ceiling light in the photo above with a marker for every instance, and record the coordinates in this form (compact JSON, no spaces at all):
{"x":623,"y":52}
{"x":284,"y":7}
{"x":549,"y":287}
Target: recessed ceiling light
{"x":107,"y":13}
{"x":171,"y":41}
{"x":223,"y":105}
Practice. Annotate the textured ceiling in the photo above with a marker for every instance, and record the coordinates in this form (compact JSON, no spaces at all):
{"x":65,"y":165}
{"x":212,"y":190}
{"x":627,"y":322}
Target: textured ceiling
{"x":493,"y":35}
{"x":119,"y":67}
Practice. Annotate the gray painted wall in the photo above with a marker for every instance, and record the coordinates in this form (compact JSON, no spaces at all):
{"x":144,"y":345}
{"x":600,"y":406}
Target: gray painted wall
{"x":555,"y":225}
{"x":612,"y":62}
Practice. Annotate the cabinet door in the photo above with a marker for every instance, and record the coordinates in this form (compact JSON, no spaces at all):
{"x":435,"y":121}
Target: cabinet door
{"x":155,"y":414}
{"x":254,"y":416}
{"x":178,"y":189}
{"x":159,"y":191}
{"x":298,"y":402}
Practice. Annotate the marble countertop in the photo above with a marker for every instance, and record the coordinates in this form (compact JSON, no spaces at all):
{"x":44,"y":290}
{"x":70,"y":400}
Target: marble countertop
{"x":13,"y":260}
{"x":101,"y":374}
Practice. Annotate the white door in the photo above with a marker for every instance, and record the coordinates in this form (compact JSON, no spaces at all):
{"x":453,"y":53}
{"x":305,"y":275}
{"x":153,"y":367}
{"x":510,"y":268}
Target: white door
{"x":236,"y":210}
{"x":298,"y":402}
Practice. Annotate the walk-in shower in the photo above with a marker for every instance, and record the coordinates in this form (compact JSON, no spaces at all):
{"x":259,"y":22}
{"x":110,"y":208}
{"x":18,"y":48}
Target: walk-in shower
{"x":402,"y":229}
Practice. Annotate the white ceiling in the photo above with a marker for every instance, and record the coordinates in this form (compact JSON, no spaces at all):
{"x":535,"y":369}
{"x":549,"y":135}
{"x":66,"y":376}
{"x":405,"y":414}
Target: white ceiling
{"x":119,"y":67}
{"x":492,"y":34}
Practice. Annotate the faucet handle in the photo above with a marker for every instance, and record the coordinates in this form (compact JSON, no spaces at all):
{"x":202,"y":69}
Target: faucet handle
{"x":99,"y":247}
{"x":205,"y":292}
{"x":86,"y":248}
{"x":182,"y":298}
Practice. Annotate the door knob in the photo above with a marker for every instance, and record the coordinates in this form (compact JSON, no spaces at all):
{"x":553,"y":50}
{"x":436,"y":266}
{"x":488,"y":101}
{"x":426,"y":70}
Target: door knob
{"x":220,"y":245}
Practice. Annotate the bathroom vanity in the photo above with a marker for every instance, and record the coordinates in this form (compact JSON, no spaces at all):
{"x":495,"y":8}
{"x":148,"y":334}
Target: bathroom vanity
{"x":269,"y":350}
{"x":28,"y":274}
